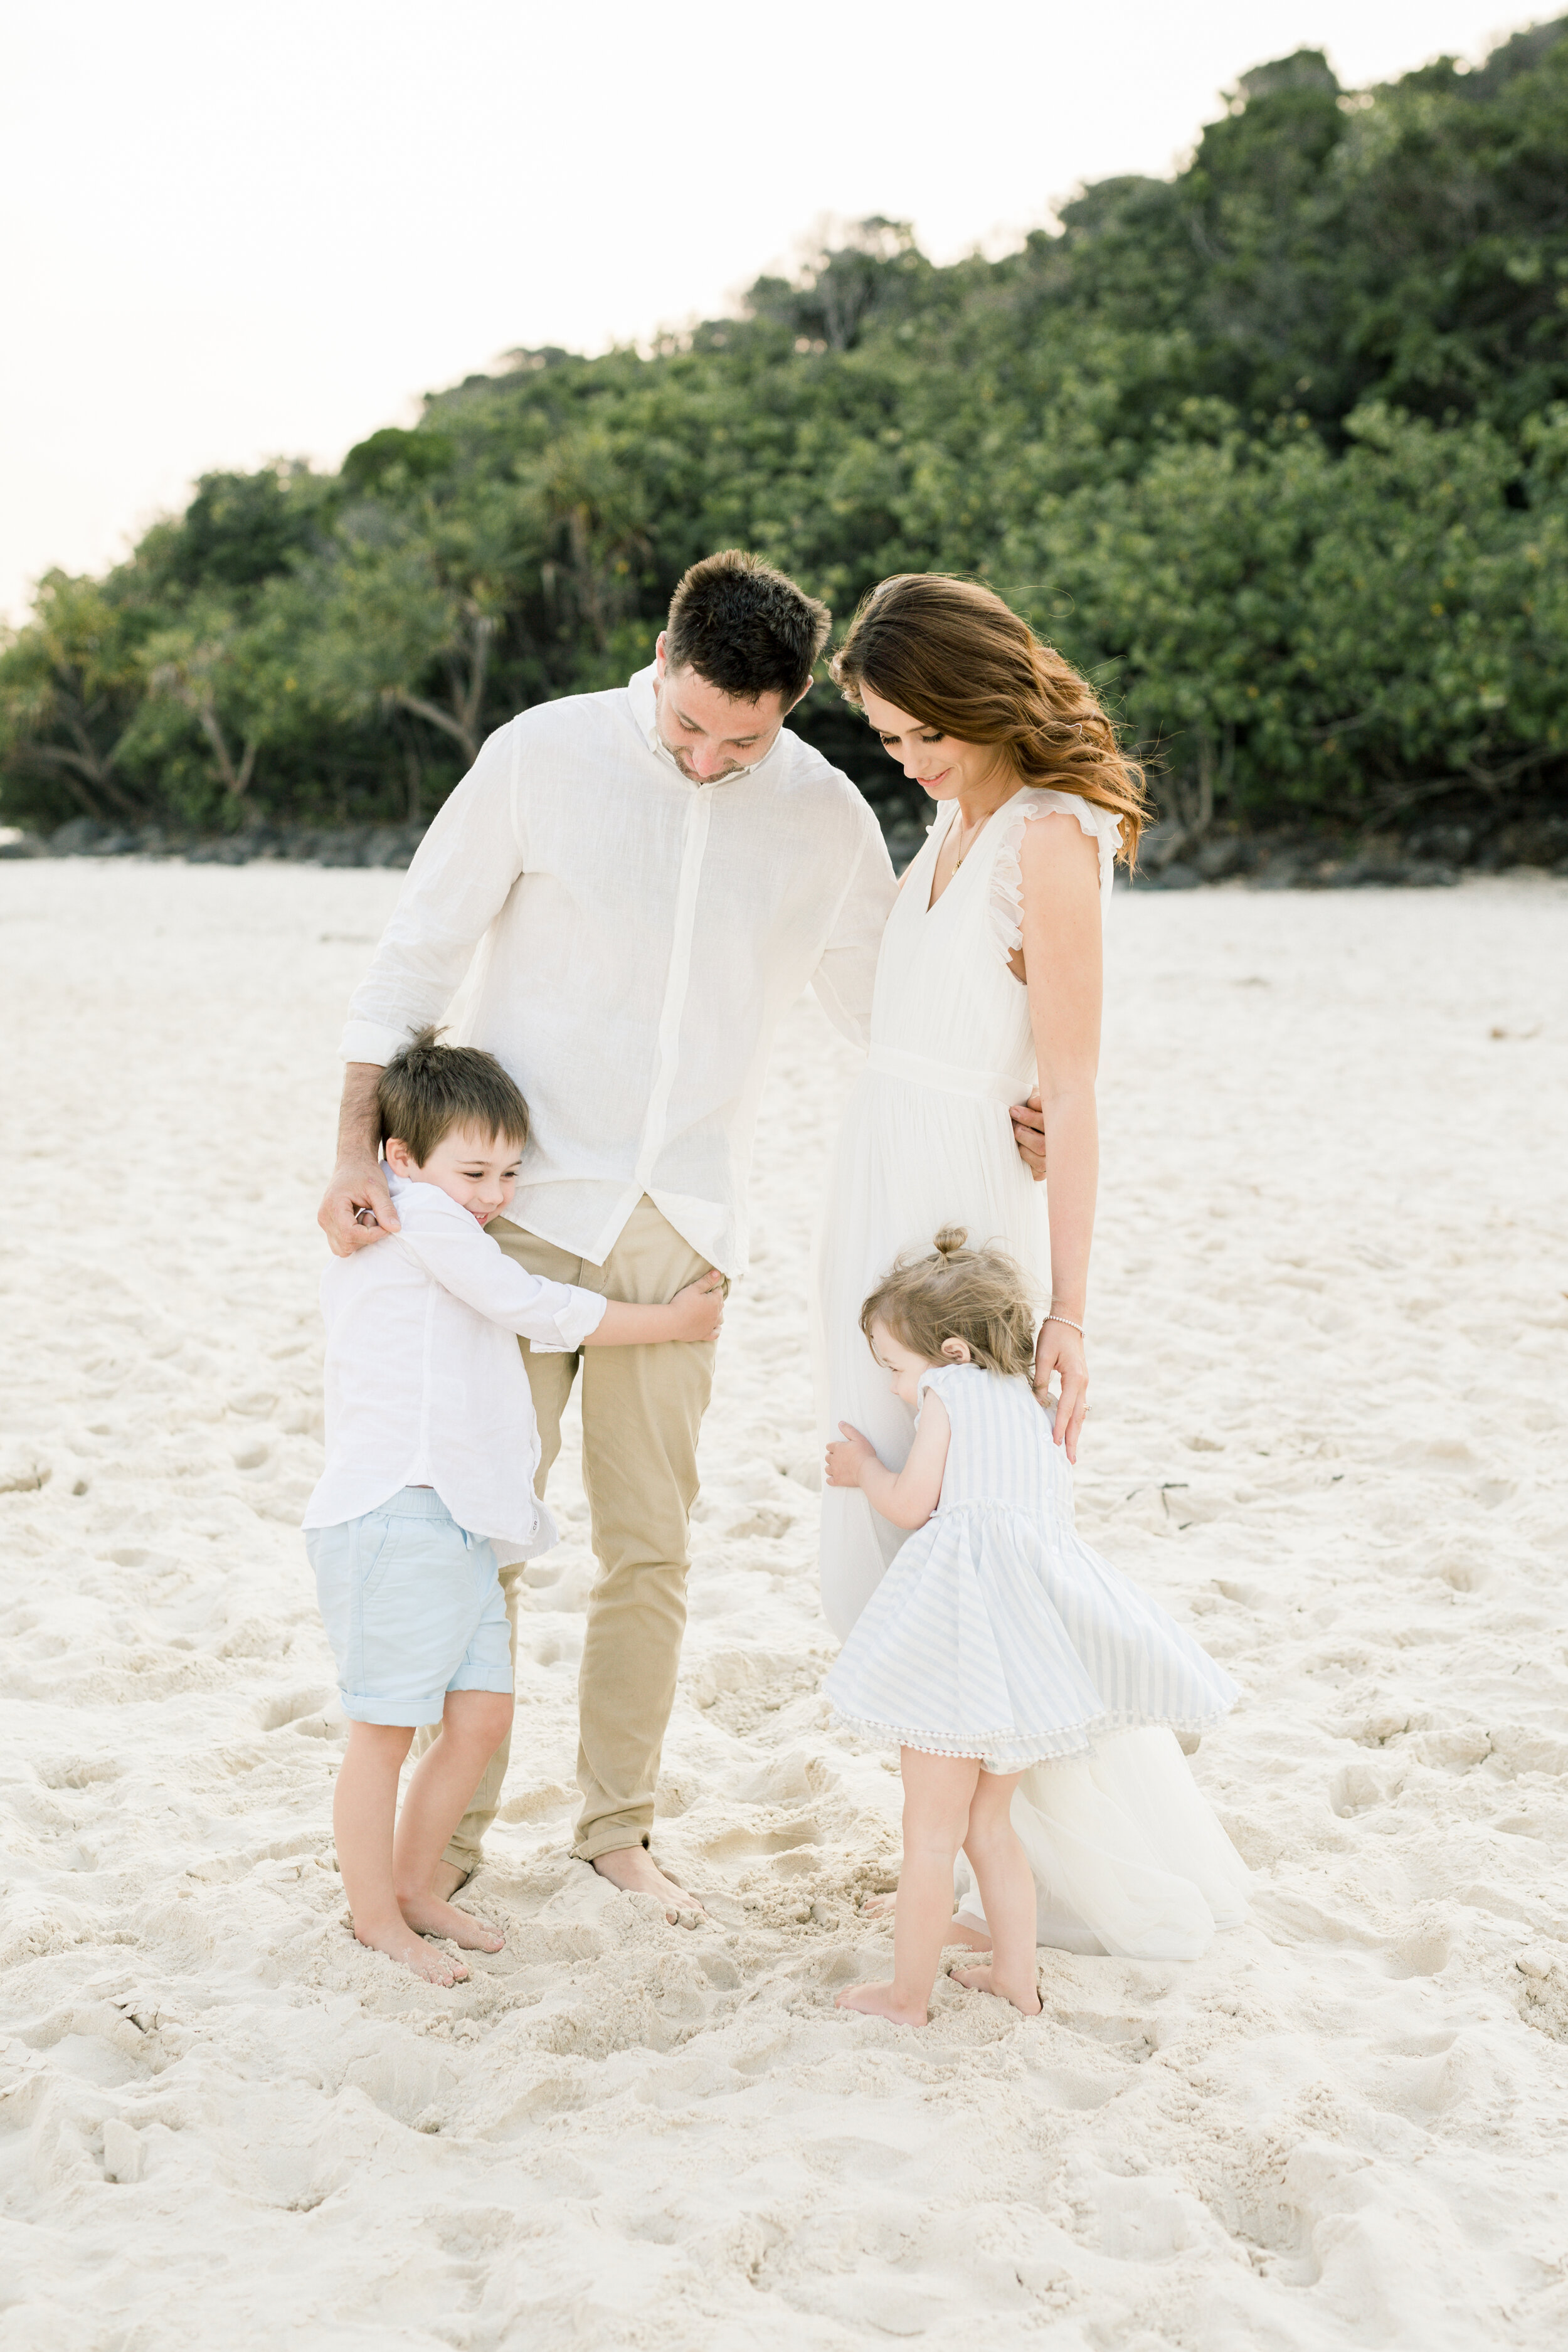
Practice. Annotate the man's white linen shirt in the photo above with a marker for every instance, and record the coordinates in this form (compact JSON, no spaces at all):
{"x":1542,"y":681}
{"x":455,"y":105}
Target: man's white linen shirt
{"x":628,"y":941}
{"x":425,"y":1380}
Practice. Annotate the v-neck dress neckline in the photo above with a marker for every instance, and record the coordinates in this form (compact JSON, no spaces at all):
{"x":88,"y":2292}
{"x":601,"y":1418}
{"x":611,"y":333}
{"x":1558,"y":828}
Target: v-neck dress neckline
{"x":933,"y":904}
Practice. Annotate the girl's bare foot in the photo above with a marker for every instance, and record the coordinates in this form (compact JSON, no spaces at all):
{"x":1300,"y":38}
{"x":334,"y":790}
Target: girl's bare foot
{"x":427,"y":1916}
{"x":880,"y":2000}
{"x":984,"y":1981}
{"x":412,"y":1952}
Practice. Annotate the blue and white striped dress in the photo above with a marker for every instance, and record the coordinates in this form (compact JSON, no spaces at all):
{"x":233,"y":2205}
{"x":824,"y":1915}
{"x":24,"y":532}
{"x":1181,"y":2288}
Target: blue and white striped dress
{"x":998,"y":1633}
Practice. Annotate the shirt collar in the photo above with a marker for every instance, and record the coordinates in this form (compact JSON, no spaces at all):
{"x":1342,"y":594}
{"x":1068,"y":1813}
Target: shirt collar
{"x":644,"y":710}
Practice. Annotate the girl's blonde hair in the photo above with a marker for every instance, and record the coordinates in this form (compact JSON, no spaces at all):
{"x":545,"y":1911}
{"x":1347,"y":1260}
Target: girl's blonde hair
{"x":978,"y":1295}
{"x":956,"y":657}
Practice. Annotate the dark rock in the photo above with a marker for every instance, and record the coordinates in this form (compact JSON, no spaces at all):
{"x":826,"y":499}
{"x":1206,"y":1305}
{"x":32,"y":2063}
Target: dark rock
{"x":75,"y":839}
{"x":344,"y":848}
{"x":27,"y":844}
{"x":1447,"y":845}
{"x":1281,"y":873}
{"x":389,"y":845}
{"x":1160,"y":845}
{"x":1223,"y":854}
{"x":1178,"y":875}
{"x":233,"y":852}
{"x":1529,"y":841}
{"x":112,"y":845}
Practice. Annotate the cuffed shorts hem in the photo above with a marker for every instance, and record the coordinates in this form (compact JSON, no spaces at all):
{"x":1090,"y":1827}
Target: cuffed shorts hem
{"x":402,"y":1713}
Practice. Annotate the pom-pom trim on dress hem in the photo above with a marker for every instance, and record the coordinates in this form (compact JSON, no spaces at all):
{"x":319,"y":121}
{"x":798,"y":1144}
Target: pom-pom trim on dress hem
{"x":1074,"y":1744}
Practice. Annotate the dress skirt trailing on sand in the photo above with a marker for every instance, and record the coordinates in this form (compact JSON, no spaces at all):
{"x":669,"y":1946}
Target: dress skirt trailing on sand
{"x":1127,"y":1855}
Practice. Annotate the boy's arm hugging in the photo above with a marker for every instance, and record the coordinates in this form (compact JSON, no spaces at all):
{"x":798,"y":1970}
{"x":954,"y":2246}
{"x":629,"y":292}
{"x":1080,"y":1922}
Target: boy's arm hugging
{"x":468,"y":1263}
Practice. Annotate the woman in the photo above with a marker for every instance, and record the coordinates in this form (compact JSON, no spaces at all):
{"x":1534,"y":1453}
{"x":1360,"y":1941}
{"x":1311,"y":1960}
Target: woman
{"x":991,"y":973}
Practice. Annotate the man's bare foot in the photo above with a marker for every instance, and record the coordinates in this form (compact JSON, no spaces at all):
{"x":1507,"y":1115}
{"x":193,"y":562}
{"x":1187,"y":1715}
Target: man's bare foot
{"x":957,"y":1931}
{"x":427,"y":1916}
{"x":445,"y":1879}
{"x":411,"y":1951}
{"x":984,"y":1981}
{"x":634,"y":1870}
{"x":878,"y":2000}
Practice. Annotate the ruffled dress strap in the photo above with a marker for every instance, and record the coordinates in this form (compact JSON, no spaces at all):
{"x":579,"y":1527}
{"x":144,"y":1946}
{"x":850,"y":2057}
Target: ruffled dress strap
{"x":1007,"y":902}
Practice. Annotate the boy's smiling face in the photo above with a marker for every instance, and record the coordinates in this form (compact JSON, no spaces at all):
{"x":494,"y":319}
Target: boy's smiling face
{"x":478,"y":1171}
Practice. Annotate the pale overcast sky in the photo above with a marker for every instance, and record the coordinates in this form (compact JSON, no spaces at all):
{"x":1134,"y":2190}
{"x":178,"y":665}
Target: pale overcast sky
{"x":233,"y":231}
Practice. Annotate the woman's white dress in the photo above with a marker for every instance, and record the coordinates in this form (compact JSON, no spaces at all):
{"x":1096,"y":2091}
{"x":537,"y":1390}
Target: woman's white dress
{"x":1127,"y":1855}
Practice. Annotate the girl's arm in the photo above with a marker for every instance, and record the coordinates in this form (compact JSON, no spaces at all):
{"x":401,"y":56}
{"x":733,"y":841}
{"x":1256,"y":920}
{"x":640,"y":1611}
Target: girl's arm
{"x":907,"y":1497}
{"x":1063,"y":957}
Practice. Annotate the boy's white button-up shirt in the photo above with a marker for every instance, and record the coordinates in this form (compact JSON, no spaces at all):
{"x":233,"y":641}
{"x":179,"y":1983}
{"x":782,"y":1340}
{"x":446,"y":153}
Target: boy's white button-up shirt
{"x":625,"y":942}
{"x":425,"y":1380}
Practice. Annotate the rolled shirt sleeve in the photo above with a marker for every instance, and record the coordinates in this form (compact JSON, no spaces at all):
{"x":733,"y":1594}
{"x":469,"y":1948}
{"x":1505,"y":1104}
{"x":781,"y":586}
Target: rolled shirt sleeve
{"x":845,"y":975}
{"x":461,"y":878}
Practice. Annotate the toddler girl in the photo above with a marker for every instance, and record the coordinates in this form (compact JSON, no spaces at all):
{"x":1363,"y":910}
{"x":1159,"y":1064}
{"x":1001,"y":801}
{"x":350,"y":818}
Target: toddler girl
{"x":998,"y":1641}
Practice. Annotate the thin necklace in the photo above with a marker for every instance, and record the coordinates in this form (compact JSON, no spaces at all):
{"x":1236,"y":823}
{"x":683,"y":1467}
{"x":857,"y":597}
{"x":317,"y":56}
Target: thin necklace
{"x":966,"y":846}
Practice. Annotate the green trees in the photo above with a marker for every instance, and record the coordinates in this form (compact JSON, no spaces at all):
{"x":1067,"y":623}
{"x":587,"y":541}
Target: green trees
{"x":1277,"y":449}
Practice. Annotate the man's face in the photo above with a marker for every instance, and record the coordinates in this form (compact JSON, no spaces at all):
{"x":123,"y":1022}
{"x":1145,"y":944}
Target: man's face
{"x":711,"y":736}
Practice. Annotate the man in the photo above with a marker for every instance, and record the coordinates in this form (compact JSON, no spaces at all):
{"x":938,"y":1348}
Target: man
{"x":650,"y":877}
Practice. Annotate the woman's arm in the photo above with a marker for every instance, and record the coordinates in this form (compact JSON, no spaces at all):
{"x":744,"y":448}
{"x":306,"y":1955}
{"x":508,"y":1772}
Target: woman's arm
{"x":907,"y":1497}
{"x":1063,"y":957}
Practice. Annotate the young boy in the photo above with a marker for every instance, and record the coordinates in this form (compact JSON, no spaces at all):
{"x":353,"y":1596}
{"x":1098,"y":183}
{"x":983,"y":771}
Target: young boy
{"x":431,"y":1453}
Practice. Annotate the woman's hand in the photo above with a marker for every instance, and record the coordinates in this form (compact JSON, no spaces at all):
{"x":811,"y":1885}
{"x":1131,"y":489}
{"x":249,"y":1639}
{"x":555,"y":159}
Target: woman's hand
{"x":699,"y":1310}
{"x":845,"y":1460}
{"x":1060,"y":1350}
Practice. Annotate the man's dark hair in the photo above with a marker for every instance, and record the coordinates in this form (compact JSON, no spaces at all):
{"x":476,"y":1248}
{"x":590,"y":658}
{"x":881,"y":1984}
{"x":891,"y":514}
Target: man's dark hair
{"x":428,"y":1089}
{"x":746,"y":628}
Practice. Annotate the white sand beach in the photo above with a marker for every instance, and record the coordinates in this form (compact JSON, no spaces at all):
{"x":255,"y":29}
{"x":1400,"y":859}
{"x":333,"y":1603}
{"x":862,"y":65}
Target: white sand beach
{"x":1330,"y":1344}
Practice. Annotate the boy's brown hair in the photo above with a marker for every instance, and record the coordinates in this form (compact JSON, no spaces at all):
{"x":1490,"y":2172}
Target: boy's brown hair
{"x":429,"y":1088}
{"x":978,"y":1295}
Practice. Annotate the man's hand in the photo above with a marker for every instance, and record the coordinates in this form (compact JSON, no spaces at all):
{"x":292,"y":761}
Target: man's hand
{"x":357,"y":1207}
{"x":1029,"y":1135}
{"x":844,"y":1461}
{"x":1060,"y":1350}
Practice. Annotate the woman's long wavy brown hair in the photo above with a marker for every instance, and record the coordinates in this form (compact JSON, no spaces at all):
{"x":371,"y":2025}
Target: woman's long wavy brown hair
{"x":956,"y":657}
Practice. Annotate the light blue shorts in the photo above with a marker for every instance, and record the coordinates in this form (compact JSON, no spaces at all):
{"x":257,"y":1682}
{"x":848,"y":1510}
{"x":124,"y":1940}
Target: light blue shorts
{"x":412,"y":1608}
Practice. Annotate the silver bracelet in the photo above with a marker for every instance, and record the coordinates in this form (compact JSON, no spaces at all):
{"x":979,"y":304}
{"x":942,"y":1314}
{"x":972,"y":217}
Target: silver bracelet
{"x":1068,"y":1322}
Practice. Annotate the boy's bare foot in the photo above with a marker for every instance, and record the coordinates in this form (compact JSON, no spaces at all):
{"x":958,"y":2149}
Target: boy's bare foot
{"x":878,"y":2001}
{"x":445,"y":1879}
{"x":634,"y":1870}
{"x":401,"y":1944}
{"x":428,"y":1916}
{"x":984,"y":1981}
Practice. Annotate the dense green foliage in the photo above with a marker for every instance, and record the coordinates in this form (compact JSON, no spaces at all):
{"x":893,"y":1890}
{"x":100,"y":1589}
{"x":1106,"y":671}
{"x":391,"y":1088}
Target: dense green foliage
{"x":1277,"y":450}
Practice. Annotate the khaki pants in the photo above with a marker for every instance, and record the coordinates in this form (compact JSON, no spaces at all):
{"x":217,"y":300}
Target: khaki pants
{"x":642,"y":1410}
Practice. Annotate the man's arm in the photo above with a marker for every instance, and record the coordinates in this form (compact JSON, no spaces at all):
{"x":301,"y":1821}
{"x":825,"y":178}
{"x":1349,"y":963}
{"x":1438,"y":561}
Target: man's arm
{"x":359,"y":1181}
{"x":846,"y":975}
{"x":460,"y":878}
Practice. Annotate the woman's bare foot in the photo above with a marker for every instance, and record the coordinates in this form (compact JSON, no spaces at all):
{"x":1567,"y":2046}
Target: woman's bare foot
{"x":984,"y":1981}
{"x":427,"y":1916}
{"x":634,"y":1870}
{"x":878,"y":2000}
{"x":412,"y":1952}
